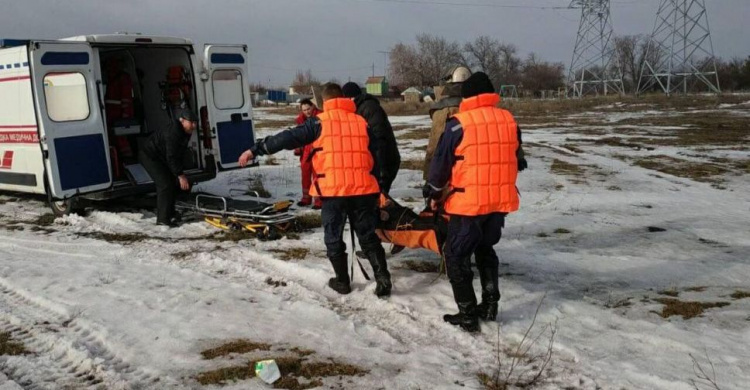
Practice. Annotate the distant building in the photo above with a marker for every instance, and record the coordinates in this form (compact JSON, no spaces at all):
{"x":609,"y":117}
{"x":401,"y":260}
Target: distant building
{"x":377,"y":86}
{"x":412,"y":95}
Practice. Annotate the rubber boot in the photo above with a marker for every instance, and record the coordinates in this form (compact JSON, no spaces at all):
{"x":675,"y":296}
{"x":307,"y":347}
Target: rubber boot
{"x":380,"y":269}
{"x":487,"y":310}
{"x":466,"y":301}
{"x":340,"y":283}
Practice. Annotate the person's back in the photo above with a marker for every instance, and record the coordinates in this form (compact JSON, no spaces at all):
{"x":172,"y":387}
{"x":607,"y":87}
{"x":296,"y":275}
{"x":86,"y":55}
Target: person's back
{"x":389,"y":158}
{"x":341,"y":153}
{"x":477,"y":162}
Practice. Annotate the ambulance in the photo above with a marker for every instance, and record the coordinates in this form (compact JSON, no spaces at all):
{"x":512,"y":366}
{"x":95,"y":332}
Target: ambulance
{"x":74,"y":111}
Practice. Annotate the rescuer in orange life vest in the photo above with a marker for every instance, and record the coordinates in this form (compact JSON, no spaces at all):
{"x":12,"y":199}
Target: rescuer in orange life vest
{"x":345,"y":179}
{"x":477,"y":161}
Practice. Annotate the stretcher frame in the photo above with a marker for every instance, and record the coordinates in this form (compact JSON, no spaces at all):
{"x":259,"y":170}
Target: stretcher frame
{"x":265,"y":220}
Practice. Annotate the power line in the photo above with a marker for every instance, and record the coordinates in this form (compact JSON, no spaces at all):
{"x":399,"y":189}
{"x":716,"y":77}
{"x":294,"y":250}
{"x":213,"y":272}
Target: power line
{"x":311,"y":68}
{"x":439,"y":2}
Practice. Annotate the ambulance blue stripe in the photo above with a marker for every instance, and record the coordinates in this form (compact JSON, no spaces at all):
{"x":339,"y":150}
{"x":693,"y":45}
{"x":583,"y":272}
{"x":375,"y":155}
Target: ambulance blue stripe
{"x":81,"y":161}
{"x":234,"y":138}
{"x":2,"y":67}
{"x":65,"y":58}
{"x":226,"y":58}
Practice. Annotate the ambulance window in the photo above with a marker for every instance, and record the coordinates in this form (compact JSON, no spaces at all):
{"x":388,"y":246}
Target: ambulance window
{"x":66,"y":97}
{"x":228,"y":91}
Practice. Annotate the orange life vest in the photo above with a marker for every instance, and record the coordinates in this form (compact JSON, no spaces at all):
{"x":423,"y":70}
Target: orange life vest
{"x":484,"y":176}
{"x":341,"y":158}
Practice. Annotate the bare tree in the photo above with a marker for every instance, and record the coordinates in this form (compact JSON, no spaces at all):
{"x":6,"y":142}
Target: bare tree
{"x":484,"y":55}
{"x":424,"y":63}
{"x":304,"y":79}
{"x":404,"y":65}
{"x":510,"y":64}
{"x":438,"y":57}
{"x":541,"y":75}
{"x":631,"y":51}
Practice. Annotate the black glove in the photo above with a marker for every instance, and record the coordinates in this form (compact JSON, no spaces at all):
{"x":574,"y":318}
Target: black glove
{"x":427,"y":192}
{"x":522,"y":164}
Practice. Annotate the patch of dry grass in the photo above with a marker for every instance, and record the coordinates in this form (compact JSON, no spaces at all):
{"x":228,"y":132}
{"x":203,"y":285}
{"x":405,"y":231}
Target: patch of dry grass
{"x":671,"y":292}
{"x":226,"y":374}
{"x":686,"y":309}
{"x":416,"y":165}
{"x":287,"y":254}
{"x":236,"y":346}
{"x":422,"y":133}
{"x":45,"y":220}
{"x":309,"y":221}
{"x":292,"y":369}
{"x":420,"y":266}
{"x":698,"y":171}
{"x":256,"y":187}
{"x":399,"y":108}
{"x":275,"y":283}
{"x":576,"y":172}
{"x":740,"y":294}
{"x":9,"y":347}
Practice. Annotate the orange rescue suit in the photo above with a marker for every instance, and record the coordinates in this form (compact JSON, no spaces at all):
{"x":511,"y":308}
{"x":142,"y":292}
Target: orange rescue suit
{"x":484,"y":175}
{"x":341,"y":156}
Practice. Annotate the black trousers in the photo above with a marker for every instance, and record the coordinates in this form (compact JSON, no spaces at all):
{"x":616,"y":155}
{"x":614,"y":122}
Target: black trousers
{"x":362,"y":212}
{"x":166,"y":186}
{"x":472,"y":235}
{"x":387,"y":181}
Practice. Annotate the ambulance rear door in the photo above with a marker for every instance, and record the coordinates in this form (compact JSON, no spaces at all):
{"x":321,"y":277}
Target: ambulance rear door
{"x":69,"y":114}
{"x":228,"y":102}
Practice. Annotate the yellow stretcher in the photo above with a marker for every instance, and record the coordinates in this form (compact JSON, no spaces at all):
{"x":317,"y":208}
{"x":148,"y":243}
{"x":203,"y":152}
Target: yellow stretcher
{"x":266,"y":221}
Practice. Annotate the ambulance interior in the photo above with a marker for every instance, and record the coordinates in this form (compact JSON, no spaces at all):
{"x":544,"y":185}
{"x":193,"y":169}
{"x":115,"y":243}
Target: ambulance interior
{"x":144,"y":90}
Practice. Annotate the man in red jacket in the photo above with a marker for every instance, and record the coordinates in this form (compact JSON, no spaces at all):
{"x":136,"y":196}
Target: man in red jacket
{"x":308,"y":110}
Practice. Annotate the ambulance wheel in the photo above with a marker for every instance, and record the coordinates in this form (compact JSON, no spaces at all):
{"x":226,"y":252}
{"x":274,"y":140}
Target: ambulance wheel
{"x":63,"y":207}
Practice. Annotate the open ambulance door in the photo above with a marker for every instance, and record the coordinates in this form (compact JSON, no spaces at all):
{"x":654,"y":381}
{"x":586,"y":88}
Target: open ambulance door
{"x":69,"y":115}
{"x":228,"y":102}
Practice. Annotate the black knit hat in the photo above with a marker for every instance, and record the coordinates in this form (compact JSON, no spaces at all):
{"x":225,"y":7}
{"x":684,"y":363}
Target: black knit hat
{"x":351,"y":89}
{"x":477,"y":84}
{"x":188,"y":115}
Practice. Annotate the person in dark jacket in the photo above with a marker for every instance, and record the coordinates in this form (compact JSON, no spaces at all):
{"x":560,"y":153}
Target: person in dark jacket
{"x":386,"y":147}
{"x":477,"y":161}
{"x":346,"y":172}
{"x":162,"y":155}
{"x":443,"y":110}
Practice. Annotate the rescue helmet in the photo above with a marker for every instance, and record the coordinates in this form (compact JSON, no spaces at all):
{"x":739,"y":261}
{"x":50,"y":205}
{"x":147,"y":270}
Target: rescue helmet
{"x":458,"y":74}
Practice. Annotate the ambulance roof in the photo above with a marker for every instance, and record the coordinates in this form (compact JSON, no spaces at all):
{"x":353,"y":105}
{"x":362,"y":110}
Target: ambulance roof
{"x":130,"y":38}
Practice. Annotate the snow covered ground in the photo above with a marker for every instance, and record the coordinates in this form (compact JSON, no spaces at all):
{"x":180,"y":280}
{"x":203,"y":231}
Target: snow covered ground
{"x":600,"y":247}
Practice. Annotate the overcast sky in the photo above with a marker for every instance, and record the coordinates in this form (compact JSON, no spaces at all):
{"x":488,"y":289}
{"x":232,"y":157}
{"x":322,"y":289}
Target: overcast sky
{"x":341,"y":38}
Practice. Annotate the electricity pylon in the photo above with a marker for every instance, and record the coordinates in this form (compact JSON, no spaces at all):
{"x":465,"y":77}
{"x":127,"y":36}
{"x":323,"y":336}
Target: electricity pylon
{"x":680,"y":53}
{"x":595,"y":67}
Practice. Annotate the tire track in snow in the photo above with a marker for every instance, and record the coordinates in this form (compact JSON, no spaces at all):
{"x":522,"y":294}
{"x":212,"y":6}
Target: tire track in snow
{"x":66,"y":352}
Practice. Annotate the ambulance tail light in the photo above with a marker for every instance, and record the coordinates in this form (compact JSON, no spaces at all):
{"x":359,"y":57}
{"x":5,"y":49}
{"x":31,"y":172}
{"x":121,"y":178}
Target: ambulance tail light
{"x":206,"y":128}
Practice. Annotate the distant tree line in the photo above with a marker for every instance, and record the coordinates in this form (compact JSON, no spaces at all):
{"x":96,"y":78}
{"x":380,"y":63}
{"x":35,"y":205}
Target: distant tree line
{"x":425,"y":62}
